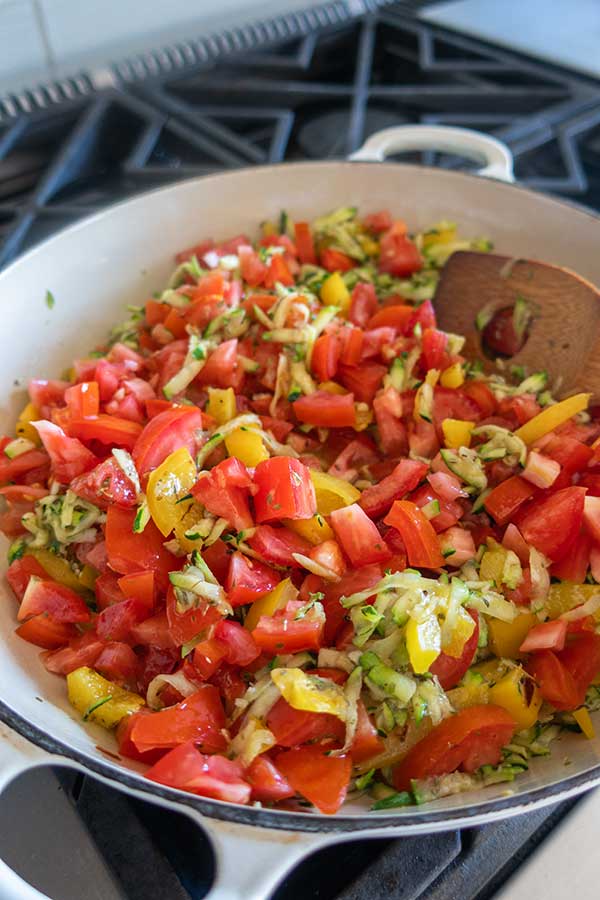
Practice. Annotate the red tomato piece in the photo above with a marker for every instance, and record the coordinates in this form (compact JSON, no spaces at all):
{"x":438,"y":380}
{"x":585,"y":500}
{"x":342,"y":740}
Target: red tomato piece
{"x":554,"y":680}
{"x":450,"y":669}
{"x":20,"y":571}
{"x":184,"y":627}
{"x":376,"y":500}
{"x":224,"y":492}
{"x":326,"y":410}
{"x":68,"y":456}
{"x":545,"y":636}
{"x":450,"y":510}
{"x":125,"y":744}
{"x":352,"y":581}
{"x":14,"y":469}
{"x":553,"y":523}
{"x":154,"y":633}
{"x":304,"y":243}
{"x":165,"y":433}
{"x":252,"y":269}
{"x":434,"y":347}
{"x":575,"y":564}
{"x":325,"y":357}
{"x":129,"y":552}
{"x":284,"y":490}
{"x":506,"y":498}
{"x":297,"y":726}
{"x":480,"y":393}
{"x":397,"y":254}
{"x":199,"y":717}
{"x":358,"y":536}
{"x":54,"y":599}
{"x":248,"y":580}
{"x":45,"y":393}
{"x":109,"y":430}
{"x":44,"y":632}
{"x":581,"y":657}
{"x":217,"y":558}
{"x":83,"y":650}
{"x":119,"y":663}
{"x":277,"y":545}
{"x":207,"y":657}
{"x":335,"y":260}
{"x":140,"y":586}
{"x":104,"y":485}
{"x":107,"y":590}
{"x":187,"y":769}
{"x":418,"y":535}
{"x":278,"y":271}
{"x":284,"y":633}
{"x":500,"y":335}
{"x":115,"y":622}
{"x":467,"y":740}
{"x":267,"y":783}
{"x":240,"y":646}
{"x":352,"y":346}
{"x":83,"y":399}
{"x":329,"y":554}
{"x":388,"y":409}
{"x":321,"y":779}
{"x":156,"y":312}
{"x":363,"y":304}
{"x":397,"y":316}
{"x":367,"y":742}
{"x":363,"y":381}
{"x":572,"y":455}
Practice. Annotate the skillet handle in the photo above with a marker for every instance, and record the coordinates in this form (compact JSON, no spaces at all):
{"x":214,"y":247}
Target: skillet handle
{"x":496,"y":156}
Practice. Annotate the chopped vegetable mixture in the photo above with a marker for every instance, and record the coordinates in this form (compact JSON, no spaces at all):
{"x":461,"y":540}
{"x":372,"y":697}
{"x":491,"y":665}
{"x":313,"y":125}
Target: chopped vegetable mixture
{"x":287,"y":541}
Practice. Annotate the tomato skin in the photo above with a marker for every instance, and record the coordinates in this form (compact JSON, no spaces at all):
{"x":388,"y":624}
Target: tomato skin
{"x":292,"y":727}
{"x":68,"y":456}
{"x":367,"y":742}
{"x":418,"y":535}
{"x":83,"y":650}
{"x":398,"y":255}
{"x":20,"y":571}
{"x":304,"y":243}
{"x":267,"y":783}
{"x":575,"y":564}
{"x":467,"y":740}
{"x":128,"y":553}
{"x":326,"y":410}
{"x":545,"y":636}
{"x":480,"y":393}
{"x":434,"y":349}
{"x":115,"y":622}
{"x":83,"y":399}
{"x":393,"y":435}
{"x":221,"y":368}
{"x":207,"y":657}
{"x":363,"y":381}
{"x":363,"y":304}
{"x":107,"y":590}
{"x":319,"y":778}
{"x":56,"y":600}
{"x":507,"y":497}
{"x":187,"y":769}
{"x":499,"y":334}
{"x":358,"y":536}
{"x":376,"y":500}
{"x":140,"y":586}
{"x":118,"y":662}
{"x":450,"y":669}
{"x":554,"y":680}
{"x":397,"y":316}
{"x":284,"y":490}
{"x":553,"y":523}
{"x":325,"y":357}
{"x":104,"y":485}
{"x":277,"y":545}
{"x":14,"y":469}
{"x":166,"y":432}
{"x":240,"y":646}
{"x":224,"y":492}
{"x":125,"y":744}
{"x":44,"y":632}
{"x":572,"y":455}
{"x":248,"y":579}
{"x":107,"y":430}
{"x":283,"y":633}
{"x":335,"y":260}
{"x":199,"y":717}
{"x":183,"y":627}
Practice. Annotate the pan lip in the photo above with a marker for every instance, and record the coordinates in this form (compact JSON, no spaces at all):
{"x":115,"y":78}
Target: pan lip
{"x":281,"y":820}
{"x":438,"y":820}
{"x":250,"y":171}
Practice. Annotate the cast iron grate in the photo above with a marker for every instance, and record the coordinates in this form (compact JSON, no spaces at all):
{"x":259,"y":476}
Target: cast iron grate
{"x":309,"y":86}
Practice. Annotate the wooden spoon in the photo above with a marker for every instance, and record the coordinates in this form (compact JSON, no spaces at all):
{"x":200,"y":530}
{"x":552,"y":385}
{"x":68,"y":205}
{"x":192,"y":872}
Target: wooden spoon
{"x":564,"y":333}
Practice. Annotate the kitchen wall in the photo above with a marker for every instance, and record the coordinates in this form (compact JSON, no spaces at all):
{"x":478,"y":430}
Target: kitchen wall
{"x":44,"y":39}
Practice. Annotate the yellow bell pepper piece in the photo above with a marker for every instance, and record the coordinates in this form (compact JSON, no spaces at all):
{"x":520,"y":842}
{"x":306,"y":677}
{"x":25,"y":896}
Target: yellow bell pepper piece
{"x":334,"y":292}
{"x":58,"y":569}
{"x":246,"y":444}
{"x":565,"y":596}
{"x":364,"y":416}
{"x":332,"y":493}
{"x":221,"y":405}
{"x":423,"y":642}
{"x":505,"y":638}
{"x":99,"y":700}
{"x":463,"y":628}
{"x":316,"y":529}
{"x":453,"y":376}
{"x":457,"y":433}
{"x":492,"y":566}
{"x":551,"y":417}
{"x":520,"y":699}
{"x":439,"y":236}
{"x":167,"y":485}
{"x":269,"y":229}
{"x":187,"y":526}
{"x":24,"y":428}
{"x":270,"y":603}
{"x":370,"y":246}
{"x":310,"y":692}
{"x":332,"y":387}
{"x":88,"y":577}
{"x":583,"y":719}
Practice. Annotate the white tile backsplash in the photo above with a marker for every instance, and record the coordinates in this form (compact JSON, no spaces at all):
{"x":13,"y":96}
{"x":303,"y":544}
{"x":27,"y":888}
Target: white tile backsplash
{"x":42,"y":39}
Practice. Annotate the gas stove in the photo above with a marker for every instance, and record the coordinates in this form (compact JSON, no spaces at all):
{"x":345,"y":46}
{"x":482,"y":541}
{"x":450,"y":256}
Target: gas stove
{"x":310,"y":85}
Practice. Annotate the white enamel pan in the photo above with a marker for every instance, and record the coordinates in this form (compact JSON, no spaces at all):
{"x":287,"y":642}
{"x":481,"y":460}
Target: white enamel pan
{"x":123,"y":254}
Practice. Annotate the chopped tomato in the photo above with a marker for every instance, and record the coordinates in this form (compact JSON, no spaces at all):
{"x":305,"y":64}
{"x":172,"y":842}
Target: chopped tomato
{"x":388,"y":409}
{"x":545,"y":636}
{"x":335,"y":260}
{"x":15,"y":469}
{"x":284,"y":632}
{"x":363,"y":304}
{"x":116,"y":621}
{"x":376,"y":500}
{"x":186,"y":769}
{"x":481,"y":394}
{"x":224,"y":492}
{"x":141,"y":586}
{"x":553,"y":523}
{"x":129,"y":552}
{"x":325,"y":409}
{"x":208,"y":656}
{"x":563,"y":676}
{"x":198,"y":718}
{"x":351,"y":581}
{"x":44,"y":632}
{"x":248,"y":580}
{"x":329,"y":555}
{"x":575,"y":564}
{"x":104,"y":485}
{"x":298,"y":726}
{"x":278,"y":272}
{"x":277,"y":545}
{"x":240,"y":646}
{"x":107,"y":590}
{"x":178,"y":427}
{"x":325,"y":357}
{"x":358,"y":536}
{"x":54,"y":599}
{"x":363,"y":381}
{"x":418,"y":534}
{"x":20,"y":571}
{"x":378,"y":221}
{"x":320,"y":778}
{"x":157,"y":634}
{"x":367,"y":742}
{"x":398,"y":255}
{"x":109,"y":430}
{"x":507,"y":497}
{"x":434,"y":345}
{"x":119,"y":663}
{"x":304,"y":243}
{"x":352,"y":346}
{"x":267,"y":783}
{"x":284,"y":490}
{"x":467,"y":740}
{"x":185,"y":626}
{"x":252,"y":269}
{"x":82,"y":650}
{"x":68,"y":456}
{"x":83,"y":399}
{"x":450,"y":669}
{"x":397,"y":316}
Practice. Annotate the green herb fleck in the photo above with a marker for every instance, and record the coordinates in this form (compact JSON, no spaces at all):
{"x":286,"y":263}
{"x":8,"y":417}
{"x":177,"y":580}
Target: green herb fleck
{"x":50,"y":301}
